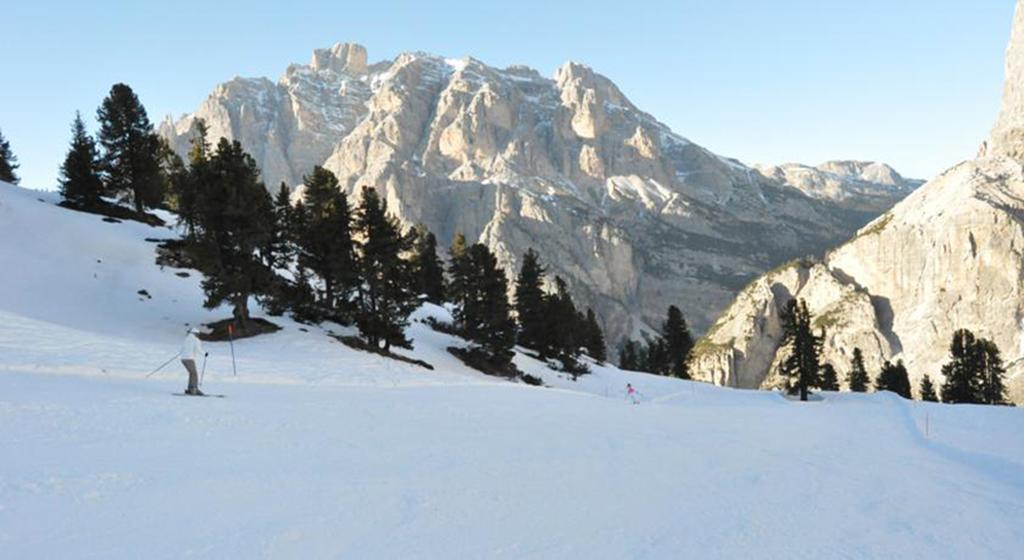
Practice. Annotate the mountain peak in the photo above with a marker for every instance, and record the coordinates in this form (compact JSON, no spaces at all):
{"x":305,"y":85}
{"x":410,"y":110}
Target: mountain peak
{"x":343,"y":58}
{"x":1007,"y":138}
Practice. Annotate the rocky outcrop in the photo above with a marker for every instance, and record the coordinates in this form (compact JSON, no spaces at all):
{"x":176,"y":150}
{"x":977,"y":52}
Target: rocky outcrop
{"x":859,"y":186}
{"x":1007,"y":138}
{"x":634,"y":216}
{"x":291,"y":125}
{"x":949,"y":256}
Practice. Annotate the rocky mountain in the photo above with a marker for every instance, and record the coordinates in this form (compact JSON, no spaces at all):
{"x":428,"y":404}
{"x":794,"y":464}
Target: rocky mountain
{"x":634,"y":216}
{"x":859,"y":186}
{"x":949,"y":256}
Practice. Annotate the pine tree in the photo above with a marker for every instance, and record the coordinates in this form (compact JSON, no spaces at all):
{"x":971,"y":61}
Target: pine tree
{"x":325,"y":242}
{"x":531,"y":308}
{"x":427,"y":266}
{"x":594,"y":338}
{"x":801,"y":368}
{"x":564,"y":324}
{"x":385,"y":295}
{"x":279,"y":247}
{"x":130,"y":149}
{"x":8,"y":162}
{"x":628,"y":355}
{"x":80,"y":181}
{"x":961,"y":373}
{"x":458,"y":274}
{"x":927,"y":390}
{"x":829,"y":379}
{"x":486,"y":311}
{"x":234,"y":216}
{"x":858,"y":379}
{"x":991,"y":385}
{"x":654,"y":358}
{"x":188,"y":186}
{"x":894,"y":377}
{"x":678,"y":343}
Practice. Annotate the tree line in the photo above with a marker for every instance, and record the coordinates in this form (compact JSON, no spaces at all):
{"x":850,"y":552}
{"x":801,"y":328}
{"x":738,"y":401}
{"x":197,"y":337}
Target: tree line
{"x":315,"y":256}
{"x":974,"y":374}
{"x":665,"y":353}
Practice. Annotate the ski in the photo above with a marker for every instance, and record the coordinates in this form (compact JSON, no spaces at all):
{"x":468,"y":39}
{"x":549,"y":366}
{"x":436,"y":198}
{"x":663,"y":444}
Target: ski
{"x":217,"y":396}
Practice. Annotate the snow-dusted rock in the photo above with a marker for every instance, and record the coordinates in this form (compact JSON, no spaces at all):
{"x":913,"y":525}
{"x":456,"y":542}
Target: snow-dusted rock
{"x":856,"y":185}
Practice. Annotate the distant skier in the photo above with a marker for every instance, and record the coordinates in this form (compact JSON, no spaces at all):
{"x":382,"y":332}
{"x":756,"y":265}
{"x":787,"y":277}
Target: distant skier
{"x":631,"y":394}
{"x":191,"y":350}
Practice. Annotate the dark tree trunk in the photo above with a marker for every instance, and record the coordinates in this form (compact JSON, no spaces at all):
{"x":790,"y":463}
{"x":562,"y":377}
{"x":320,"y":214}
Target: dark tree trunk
{"x":241,"y":312}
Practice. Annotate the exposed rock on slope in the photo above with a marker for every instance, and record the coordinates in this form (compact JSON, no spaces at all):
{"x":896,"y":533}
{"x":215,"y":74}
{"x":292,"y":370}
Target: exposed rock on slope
{"x":634,"y":216}
{"x":869,"y":187}
{"x":949,"y":256}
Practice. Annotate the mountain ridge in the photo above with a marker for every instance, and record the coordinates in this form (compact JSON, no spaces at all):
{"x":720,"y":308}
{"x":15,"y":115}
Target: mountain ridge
{"x":633,"y":215}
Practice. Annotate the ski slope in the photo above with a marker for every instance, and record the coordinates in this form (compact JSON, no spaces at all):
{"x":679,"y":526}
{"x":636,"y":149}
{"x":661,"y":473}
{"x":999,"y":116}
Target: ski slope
{"x":321,"y":451}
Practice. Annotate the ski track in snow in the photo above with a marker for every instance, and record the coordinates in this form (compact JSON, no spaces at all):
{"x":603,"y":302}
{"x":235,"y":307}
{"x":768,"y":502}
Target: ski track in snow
{"x":320,"y":451}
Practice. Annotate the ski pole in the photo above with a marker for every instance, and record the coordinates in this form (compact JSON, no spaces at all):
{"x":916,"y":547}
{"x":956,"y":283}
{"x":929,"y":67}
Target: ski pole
{"x":162,"y":365}
{"x":203,"y":373}
{"x":231,"y":341}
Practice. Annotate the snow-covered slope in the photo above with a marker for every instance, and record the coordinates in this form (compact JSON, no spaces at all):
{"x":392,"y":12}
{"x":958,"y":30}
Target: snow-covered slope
{"x":322,"y":451}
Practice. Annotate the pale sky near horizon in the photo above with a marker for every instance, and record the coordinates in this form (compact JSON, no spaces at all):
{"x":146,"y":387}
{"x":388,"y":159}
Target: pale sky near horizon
{"x":915,"y":83}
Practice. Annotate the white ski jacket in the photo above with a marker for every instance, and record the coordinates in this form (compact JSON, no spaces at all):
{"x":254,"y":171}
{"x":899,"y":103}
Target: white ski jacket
{"x":191,"y":349}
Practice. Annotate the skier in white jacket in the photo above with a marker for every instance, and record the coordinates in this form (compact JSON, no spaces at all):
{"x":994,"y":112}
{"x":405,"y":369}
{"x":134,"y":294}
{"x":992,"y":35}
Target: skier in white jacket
{"x":191,"y":350}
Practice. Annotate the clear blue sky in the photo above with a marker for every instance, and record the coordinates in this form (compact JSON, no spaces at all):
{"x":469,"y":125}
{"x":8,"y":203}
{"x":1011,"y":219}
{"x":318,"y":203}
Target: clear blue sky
{"x":912,"y":82}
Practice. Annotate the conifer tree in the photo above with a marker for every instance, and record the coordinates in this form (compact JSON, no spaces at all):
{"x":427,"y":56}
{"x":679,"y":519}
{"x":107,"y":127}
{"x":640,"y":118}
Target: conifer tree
{"x":8,"y":162}
{"x":894,"y":377}
{"x":962,"y":382}
{"x":531,"y":308}
{"x":171,"y":169}
{"x":458,"y":277}
{"x":188,"y":186}
{"x":594,"y":338}
{"x":829,"y":379}
{"x":991,"y":385}
{"x":654,"y":358}
{"x":325,"y":242}
{"x":564,"y":323}
{"x":858,"y":379}
{"x":628,"y":355}
{"x":131,"y":162}
{"x":80,"y":180}
{"x":427,"y":266}
{"x":279,"y":247}
{"x":385,"y":295}
{"x":485,"y":309}
{"x":801,"y":368}
{"x":927,"y":390}
{"x":678,"y":343}
{"x":233,"y":222}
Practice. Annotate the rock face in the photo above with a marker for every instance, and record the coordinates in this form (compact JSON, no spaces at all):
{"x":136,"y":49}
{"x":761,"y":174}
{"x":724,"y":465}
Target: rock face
{"x":859,"y":186}
{"x":949,"y":256}
{"x":1007,"y":138}
{"x":634,"y":216}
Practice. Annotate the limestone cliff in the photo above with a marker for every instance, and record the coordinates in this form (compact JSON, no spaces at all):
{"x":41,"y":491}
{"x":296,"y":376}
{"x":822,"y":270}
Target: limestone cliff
{"x":949,"y":256}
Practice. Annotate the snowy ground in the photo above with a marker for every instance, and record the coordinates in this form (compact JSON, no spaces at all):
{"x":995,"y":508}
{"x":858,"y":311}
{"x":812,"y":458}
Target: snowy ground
{"x":322,"y":451}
